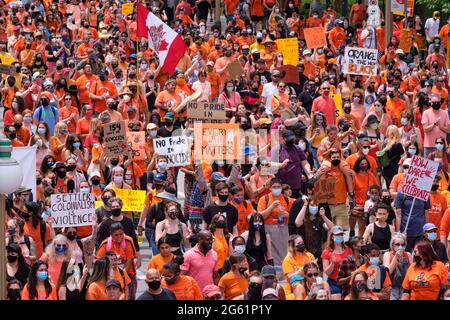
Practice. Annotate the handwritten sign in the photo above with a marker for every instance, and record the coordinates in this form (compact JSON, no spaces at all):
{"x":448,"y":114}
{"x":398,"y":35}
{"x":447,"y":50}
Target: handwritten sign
{"x":315,"y":37}
{"x":73,"y":209}
{"x":235,"y":69}
{"x":337,"y":97}
{"x":127,"y":8}
{"x":419,"y":178}
{"x":176,"y":149}
{"x":216,"y":142}
{"x":360,"y":61}
{"x":398,"y":7}
{"x":406,"y":40}
{"x":7,"y":69}
{"x":115,"y":138}
{"x":289,"y":49}
{"x":206,"y":112}
{"x":137,"y":140}
{"x":325,"y":189}
{"x":133,"y":200}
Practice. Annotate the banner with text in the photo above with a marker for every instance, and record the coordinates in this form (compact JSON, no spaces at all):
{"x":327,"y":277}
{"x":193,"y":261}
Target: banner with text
{"x":137,"y":140}
{"x":315,"y":37}
{"x":73,"y":210}
{"x":206,"y":112}
{"x":289,"y":49}
{"x":216,"y":142}
{"x":176,"y":149}
{"x":360,"y":61}
{"x":115,"y":138}
{"x":419,"y":178}
{"x":133,"y":200}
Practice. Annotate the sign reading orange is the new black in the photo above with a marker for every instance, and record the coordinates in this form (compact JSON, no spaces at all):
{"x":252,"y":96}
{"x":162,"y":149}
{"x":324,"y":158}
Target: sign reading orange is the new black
{"x":360,"y":61}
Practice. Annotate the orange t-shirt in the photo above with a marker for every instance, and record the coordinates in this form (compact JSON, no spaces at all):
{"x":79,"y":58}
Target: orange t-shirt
{"x":64,"y":113}
{"x":23,"y":134}
{"x":186,"y":288}
{"x":341,"y":186}
{"x":438,"y":205}
{"x":233,"y":286}
{"x":398,"y":181}
{"x":35,"y":234}
{"x":83,"y":126}
{"x":445,"y":224}
{"x":96,"y":291}
{"x":244,"y":213}
{"x":165,"y":97}
{"x":395,"y":109}
{"x":220,"y":246}
{"x":423,"y":283}
{"x":100,"y":88}
{"x":361,"y":186}
{"x":127,"y":253}
{"x":387,"y":281}
{"x":42,"y":294}
{"x":157,"y":262}
{"x":84,"y":84}
{"x":272,"y":218}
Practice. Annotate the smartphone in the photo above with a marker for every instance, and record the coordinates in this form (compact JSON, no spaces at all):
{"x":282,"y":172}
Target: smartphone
{"x":318,"y":130}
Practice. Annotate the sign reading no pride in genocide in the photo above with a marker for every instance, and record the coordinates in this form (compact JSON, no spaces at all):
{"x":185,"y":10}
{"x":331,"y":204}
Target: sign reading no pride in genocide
{"x":73,"y":209}
{"x":360,"y":61}
{"x":115,"y":138}
{"x":176,"y":149}
{"x":206,"y":112}
{"x":419,"y":178}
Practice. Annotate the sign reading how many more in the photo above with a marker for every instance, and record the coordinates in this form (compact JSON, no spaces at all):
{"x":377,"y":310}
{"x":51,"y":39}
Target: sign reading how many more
{"x":360,"y":61}
{"x":419,"y":178}
{"x":73,"y":210}
{"x":115,"y":138}
{"x":206,"y":112}
{"x":176,"y":149}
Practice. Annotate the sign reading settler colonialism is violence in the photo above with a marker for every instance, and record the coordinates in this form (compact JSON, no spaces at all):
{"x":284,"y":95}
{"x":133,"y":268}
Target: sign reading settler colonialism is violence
{"x":73,"y":209}
{"x":419,"y":178}
{"x":360,"y":61}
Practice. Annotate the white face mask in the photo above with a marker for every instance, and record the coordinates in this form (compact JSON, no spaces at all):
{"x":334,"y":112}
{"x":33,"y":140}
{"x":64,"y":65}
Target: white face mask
{"x":126,"y":98}
{"x":302,"y":146}
{"x":307,"y":58}
{"x":118,"y":179}
{"x":153,"y":133}
{"x":365,"y":151}
{"x":84,"y":190}
{"x":377,"y":109}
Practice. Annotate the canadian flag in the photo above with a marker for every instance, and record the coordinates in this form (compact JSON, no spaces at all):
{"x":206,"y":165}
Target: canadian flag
{"x":167,"y":44}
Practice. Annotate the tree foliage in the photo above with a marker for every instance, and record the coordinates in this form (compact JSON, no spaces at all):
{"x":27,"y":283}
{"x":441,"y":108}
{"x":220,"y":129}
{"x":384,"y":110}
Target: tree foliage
{"x":440,"y":5}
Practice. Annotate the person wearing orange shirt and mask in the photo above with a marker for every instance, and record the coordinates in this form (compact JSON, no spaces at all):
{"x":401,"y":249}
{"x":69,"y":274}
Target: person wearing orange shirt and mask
{"x":84,"y":84}
{"x":395,"y":106}
{"x":336,"y":36}
{"x":314,"y":20}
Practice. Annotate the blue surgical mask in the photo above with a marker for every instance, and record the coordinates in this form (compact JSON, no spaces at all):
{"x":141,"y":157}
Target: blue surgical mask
{"x":412,"y":151}
{"x":76,"y":144}
{"x":257,"y":226}
{"x":42,"y":275}
{"x":239,"y":248}
{"x":238,"y":199}
{"x":338,"y":239}
{"x":432,"y":236}
{"x":60,"y":250}
{"x":374,"y":261}
{"x":404,"y":121}
{"x":400,"y":248}
{"x":41,"y":130}
{"x":276,"y":192}
{"x":162,"y":165}
{"x":439,"y":146}
{"x":313,"y":210}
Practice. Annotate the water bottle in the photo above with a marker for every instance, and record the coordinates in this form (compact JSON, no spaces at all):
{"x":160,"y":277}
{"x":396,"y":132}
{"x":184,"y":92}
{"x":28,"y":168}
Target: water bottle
{"x":139,"y":239}
{"x":280,"y":214}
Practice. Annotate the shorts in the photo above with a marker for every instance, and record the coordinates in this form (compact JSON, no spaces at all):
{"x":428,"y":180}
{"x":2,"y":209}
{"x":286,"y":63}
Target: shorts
{"x":335,"y":288}
{"x":339,"y":214}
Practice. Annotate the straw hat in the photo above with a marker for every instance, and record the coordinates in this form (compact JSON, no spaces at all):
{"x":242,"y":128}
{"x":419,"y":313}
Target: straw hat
{"x":104,"y":34}
{"x":126,"y":92}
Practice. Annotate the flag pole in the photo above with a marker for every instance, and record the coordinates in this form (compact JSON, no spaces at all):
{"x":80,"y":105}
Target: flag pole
{"x":137,"y":64}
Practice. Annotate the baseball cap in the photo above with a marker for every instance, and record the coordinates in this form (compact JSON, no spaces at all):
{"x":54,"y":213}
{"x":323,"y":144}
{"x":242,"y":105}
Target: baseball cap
{"x":337,"y":230}
{"x":47,"y":95}
{"x":268,"y":271}
{"x":48,"y":83}
{"x":95,"y":174}
{"x":254,"y":50}
{"x":407,"y":162}
{"x":59,"y":165}
{"x":21,"y":189}
{"x":218,"y":176}
{"x":259,"y":35}
{"x":210,"y":63}
{"x":372,"y":119}
{"x":288,"y":134}
{"x":169,"y":116}
{"x":428,"y":226}
{"x":113,"y":283}
{"x":270,"y":292}
{"x":306,"y":52}
{"x":14,"y":247}
{"x":263,"y":121}
{"x":245,"y":46}
{"x":36,"y":75}
{"x":152,"y":126}
{"x":133,"y":56}
{"x":211,"y":290}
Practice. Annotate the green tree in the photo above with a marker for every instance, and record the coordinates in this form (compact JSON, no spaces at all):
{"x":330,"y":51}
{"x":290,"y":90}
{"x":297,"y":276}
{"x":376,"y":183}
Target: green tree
{"x":440,"y":5}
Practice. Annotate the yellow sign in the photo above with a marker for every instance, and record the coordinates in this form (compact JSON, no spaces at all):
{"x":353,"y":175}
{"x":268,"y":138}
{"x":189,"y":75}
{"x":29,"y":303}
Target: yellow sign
{"x":127,"y":8}
{"x":338,"y":102}
{"x":133,"y":200}
{"x":98,"y":204}
{"x":289,"y":49}
{"x":6,"y":58}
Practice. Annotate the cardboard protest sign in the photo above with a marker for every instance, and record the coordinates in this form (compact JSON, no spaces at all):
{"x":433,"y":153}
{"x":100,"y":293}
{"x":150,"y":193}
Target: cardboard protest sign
{"x":289,"y":49}
{"x":324,"y":190}
{"x":216,"y":142}
{"x":133,"y":200}
{"x":176,"y":149}
{"x":115,"y":138}
{"x":7,"y":69}
{"x":206,"y":112}
{"x":127,"y":8}
{"x":73,"y":210}
{"x":360,"y":61}
{"x":137,"y":140}
{"x":406,"y":40}
{"x":315,"y":37}
{"x":235,"y":69}
{"x":291,"y":74}
{"x":419,"y":178}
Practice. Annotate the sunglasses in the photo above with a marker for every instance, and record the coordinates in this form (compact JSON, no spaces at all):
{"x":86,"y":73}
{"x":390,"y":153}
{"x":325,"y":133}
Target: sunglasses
{"x":275,"y":76}
{"x":399,"y":244}
{"x":326,"y":89}
{"x":281,"y":86}
{"x":61,"y":246}
{"x":310,"y":275}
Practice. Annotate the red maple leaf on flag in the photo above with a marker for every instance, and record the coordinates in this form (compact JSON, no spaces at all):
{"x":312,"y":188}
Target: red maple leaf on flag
{"x":163,"y":46}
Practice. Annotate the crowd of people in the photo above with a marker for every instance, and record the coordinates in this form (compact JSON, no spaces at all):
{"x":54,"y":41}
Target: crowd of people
{"x":256,"y":230}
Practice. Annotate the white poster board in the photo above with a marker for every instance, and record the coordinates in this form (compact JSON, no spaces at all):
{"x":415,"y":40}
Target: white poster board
{"x":419,"y":178}
{"x":360,"y":61}
{"x":73,"y":210}
{"x":176,"y":149}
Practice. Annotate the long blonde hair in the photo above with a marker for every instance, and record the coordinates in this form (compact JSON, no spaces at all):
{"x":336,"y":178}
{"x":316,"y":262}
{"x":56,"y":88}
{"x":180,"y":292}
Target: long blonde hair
{"x":392,"y":136}
{"x":50,"y":249}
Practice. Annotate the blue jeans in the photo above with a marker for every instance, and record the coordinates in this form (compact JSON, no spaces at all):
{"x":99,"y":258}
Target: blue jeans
{"x":314,"y":155}
{"x":150,"y":235}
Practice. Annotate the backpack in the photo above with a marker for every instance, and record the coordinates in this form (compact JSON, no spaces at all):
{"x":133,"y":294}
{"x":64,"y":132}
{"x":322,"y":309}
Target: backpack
{"x":39,"y":117}
{"x":266,"y":199}
{"x":383,"y":159}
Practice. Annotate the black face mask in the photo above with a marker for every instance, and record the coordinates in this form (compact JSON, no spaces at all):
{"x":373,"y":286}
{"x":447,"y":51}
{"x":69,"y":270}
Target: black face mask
{"x":13,"y":135}
{"x":59,"y":67}
{"x":105,"y":200}
{"x":223,"y":197}
{"x":95,"y":182}
{"x":116,"y":212}
{"x":102,"y":78}
{"x":290,"y":143}
{"x":206,"y":246}
{"x":61,"y":174}
{"x":391,"y":95}
{"x":38,"y":181}
{"x":254,"y":291}
{"x":256,"y":56}
{"x":417,"y":259}
{"x":11,"y":83}
{"x":168,"y":123}
{"x":434,"y":187}
{"x":12,"y":259}
{"x":71,"y":167}
{"x":387,"y":200}
{"x":347,"y":110}
{"x":221,"y":224}
{"x":436,"y":105}
{"x":335,"y":162}
{"x":45,"y":102}
{"x":114,"y":162}
{"x":14,"y":294}
{"x":300,"y":247}
{"x":154,"y":285}
{"x":71,"y":236}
